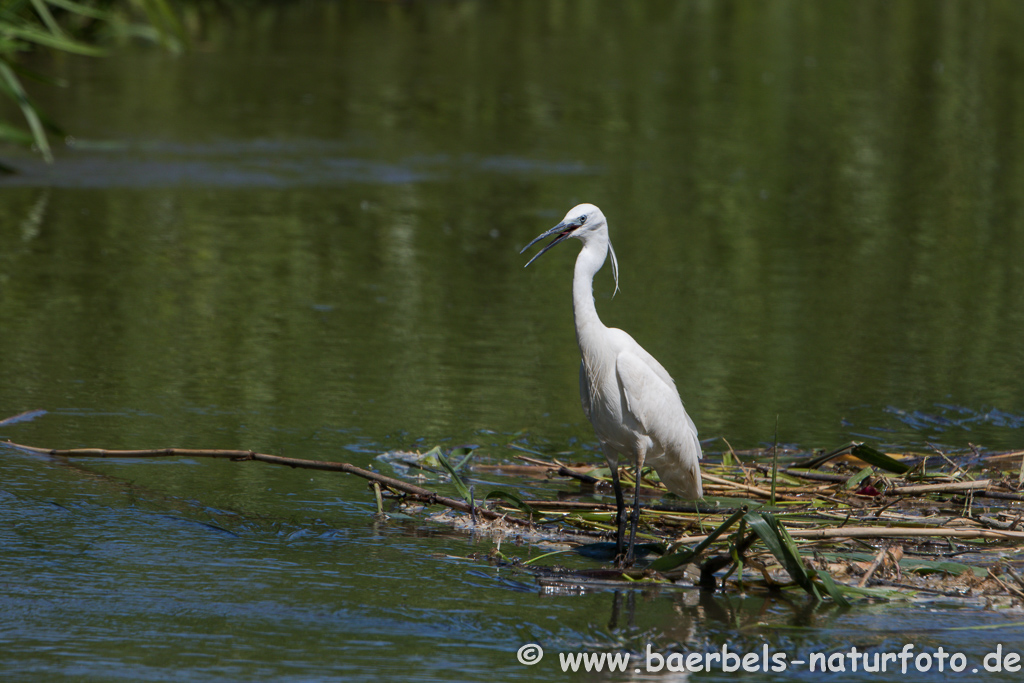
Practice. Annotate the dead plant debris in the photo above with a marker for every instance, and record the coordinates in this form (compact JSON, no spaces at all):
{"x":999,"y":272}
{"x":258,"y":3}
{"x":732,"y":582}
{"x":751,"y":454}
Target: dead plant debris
{"x":848,"y":524}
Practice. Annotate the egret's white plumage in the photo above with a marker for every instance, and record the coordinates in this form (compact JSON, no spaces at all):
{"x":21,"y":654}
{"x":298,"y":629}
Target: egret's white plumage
{"x":627,"y":395}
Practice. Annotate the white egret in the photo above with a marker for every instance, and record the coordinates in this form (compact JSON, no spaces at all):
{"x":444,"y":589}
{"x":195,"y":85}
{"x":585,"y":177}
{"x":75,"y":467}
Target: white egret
{"x":627,"y":395}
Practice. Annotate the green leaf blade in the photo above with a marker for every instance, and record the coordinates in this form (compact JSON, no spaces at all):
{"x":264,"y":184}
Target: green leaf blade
{"x":879,"y":459}
{"x":456,"y":479}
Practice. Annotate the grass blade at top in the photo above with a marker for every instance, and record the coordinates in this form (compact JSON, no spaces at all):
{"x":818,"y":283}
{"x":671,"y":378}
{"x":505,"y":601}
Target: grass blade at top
{"x":27,"y":109}
{"x":47,"y":39}
{"x":44,"y":13}
{"x":169,"y":29}
{"x":79,"y":8}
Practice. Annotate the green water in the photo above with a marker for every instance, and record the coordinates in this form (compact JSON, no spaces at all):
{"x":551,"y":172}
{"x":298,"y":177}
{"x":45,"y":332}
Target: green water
{"x":301,"y":237}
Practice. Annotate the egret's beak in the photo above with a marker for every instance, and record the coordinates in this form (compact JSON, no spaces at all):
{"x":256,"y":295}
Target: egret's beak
{"x":563,"y":230}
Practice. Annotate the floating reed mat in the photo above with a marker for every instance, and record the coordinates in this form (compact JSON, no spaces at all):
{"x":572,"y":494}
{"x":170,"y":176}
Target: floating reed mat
{"x":851,"y":523}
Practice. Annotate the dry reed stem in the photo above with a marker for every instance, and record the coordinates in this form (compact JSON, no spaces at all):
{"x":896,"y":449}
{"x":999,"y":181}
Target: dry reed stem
{"x":943,"y":488}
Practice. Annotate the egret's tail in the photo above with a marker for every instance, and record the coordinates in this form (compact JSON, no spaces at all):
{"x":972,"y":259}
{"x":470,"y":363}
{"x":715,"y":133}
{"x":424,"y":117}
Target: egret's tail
{"x":684,"y":482}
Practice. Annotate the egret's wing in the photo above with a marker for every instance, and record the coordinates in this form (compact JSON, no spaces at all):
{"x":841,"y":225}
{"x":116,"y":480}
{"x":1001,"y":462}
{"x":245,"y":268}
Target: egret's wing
{"x":626,"y":342}
{"x":654,"y":403}
{"x":584,"y":389}
{"x":656,"y":406}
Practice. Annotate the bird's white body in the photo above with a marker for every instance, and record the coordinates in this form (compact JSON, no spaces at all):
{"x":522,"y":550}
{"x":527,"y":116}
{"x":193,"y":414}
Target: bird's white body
{"x":627,"y":395}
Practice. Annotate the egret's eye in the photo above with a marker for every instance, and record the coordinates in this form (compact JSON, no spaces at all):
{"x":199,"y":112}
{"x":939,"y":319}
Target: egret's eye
{"x":582,"y":219}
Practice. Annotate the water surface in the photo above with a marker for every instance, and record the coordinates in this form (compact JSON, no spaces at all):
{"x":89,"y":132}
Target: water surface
{"x":302,"y":237}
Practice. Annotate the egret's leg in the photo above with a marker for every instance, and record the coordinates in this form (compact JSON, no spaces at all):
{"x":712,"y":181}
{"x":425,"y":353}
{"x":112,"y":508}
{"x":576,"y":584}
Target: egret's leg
{"x":620,"y":514}
{"x":620,"y":504}
{"x":635,"y":521}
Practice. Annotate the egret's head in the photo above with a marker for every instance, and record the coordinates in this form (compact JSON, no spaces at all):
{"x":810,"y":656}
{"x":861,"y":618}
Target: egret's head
{"x":582,"y":222}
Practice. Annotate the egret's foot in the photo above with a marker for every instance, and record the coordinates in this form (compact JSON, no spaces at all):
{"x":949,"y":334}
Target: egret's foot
{"x":630,"y":557}
{"x":641,"y":551}
{"x":620,"y":554}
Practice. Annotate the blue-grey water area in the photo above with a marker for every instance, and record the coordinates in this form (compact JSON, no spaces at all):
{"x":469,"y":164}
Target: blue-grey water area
{"x":301,"y":236}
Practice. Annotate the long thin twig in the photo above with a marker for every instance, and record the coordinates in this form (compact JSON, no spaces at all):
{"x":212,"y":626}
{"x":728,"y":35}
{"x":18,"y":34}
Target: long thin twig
{"x":421,"y":494}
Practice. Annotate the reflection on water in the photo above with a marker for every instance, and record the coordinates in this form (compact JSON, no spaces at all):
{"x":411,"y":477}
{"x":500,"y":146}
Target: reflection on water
{"x":810,"y":220}
{"x":255,"y":164}
{"x":303,"y":238}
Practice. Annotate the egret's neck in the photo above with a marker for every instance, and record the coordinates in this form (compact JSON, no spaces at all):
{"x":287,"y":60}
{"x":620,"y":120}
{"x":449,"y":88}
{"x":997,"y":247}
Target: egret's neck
{"x":590,"y":260}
